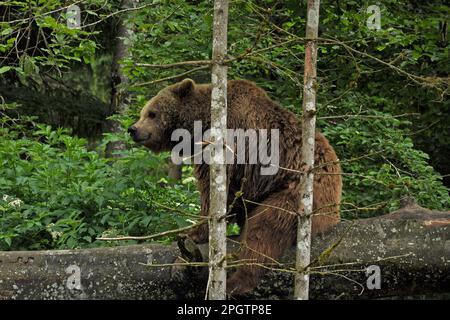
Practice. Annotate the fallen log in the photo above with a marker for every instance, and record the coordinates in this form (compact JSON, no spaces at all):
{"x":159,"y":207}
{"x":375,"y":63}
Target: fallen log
{"x":408,"y":251}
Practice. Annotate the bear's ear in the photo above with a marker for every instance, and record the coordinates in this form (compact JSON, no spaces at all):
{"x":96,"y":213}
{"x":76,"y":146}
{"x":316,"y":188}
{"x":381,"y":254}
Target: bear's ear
{"x":183,"y":88}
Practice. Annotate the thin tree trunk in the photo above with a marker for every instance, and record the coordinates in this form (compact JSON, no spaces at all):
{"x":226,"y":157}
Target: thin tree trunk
{"x":120,"y":97}
{"x":175,"y":171}
{"x":303,"y":251}
{"x":218,"y":191}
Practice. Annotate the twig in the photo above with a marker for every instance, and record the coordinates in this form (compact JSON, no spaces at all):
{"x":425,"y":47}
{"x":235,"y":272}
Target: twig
{"x":116,"y":13}
{"x":176,"y":64}
{"x":46,"y":13}
{"x":369,"y":116}
{"x":170,"y":77}
{"x":365,"y":262}
{"x":157,"y":235}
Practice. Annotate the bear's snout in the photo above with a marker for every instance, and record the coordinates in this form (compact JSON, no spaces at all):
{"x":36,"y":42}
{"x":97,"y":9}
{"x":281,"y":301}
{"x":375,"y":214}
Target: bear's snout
{"x":137,"y":135}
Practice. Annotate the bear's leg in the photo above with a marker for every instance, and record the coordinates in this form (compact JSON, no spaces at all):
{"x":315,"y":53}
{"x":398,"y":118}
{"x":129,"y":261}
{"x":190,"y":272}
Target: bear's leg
{"x":270,"y":229}
{"x":201,"y":234}
{"x":327,"y":198}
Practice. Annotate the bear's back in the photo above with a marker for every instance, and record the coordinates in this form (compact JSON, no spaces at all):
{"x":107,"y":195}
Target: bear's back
{"x":249,"y":106}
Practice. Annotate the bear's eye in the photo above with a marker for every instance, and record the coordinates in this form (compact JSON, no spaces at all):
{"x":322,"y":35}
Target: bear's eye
{"x":151,"y":115}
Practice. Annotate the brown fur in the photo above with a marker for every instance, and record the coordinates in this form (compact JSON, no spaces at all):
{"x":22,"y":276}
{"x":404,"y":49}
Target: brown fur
{"x":266,"y":230}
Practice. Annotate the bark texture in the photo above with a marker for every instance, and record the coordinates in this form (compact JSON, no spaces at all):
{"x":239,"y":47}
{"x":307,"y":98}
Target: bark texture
{"x":218,"y":173}
{"x":120,"y":97}
{"x":303,"y":254}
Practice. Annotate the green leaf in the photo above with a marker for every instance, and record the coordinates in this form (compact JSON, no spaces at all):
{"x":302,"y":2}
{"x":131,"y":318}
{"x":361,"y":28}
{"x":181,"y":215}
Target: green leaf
{"x":6,"y":31}
{"x":5,"y":69}
{"x":8,"y":241}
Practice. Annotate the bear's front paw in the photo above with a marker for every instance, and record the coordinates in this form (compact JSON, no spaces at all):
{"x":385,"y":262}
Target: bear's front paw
{"x":187,"y":276}
{"x":188,"y":249}
{"x":189,"y":253}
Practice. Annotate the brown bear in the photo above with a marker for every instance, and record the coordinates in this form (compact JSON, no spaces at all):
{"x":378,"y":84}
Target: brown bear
{"x":266,"y":210}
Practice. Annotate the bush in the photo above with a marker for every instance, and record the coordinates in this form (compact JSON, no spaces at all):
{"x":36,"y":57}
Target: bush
{"x":380,"y":161}
{"x":55,"y":193}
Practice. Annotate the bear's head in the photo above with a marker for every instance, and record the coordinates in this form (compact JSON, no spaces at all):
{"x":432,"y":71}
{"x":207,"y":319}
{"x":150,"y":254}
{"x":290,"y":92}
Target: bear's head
{"x":172,"y":108}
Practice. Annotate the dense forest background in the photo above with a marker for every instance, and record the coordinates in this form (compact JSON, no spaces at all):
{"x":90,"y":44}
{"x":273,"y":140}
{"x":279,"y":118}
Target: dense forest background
{"x":382,"y":102}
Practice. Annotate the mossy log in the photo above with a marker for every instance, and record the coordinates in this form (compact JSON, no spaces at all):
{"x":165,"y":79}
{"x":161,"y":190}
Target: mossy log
{"x":411,"y":247}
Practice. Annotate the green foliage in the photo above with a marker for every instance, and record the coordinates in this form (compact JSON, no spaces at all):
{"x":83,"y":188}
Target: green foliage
{"x":380,"y":162}
{"x":36,"y":32}
{"x":54,"y":193}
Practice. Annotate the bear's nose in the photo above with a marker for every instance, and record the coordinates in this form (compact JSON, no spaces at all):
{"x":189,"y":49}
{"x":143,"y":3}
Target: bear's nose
{"x":132,"y":131}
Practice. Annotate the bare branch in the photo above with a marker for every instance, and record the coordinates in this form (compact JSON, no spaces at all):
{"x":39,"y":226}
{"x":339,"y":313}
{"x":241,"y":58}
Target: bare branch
{"x":153,"y":236}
